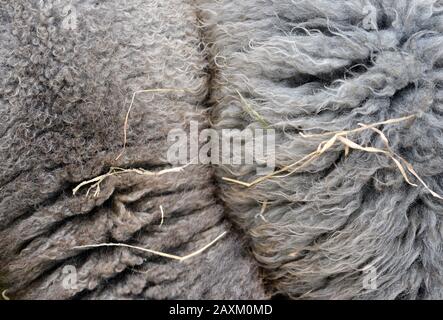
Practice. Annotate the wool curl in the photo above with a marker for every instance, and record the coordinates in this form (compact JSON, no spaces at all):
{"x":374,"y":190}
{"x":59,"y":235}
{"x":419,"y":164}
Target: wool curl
{"x":318,"y":66}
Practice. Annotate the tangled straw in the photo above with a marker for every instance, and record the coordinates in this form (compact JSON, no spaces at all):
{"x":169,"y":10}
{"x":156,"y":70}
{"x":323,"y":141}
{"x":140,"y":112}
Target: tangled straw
{"x":95,"y":183}
{"x":341,"y":136}
{"x":113,"y":171}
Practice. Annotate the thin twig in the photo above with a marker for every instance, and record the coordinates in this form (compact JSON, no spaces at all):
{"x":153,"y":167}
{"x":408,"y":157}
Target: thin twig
{"x":159,"y":253}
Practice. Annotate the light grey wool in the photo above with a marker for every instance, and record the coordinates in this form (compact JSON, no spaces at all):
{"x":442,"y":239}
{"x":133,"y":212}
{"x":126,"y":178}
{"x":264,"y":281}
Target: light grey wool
{"x":64,"y":90}
{"x":340,"y":227}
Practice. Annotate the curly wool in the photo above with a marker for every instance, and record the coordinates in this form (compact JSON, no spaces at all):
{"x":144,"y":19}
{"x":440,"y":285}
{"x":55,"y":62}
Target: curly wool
{"x":63,"y":98}
{"x":316,"y":66}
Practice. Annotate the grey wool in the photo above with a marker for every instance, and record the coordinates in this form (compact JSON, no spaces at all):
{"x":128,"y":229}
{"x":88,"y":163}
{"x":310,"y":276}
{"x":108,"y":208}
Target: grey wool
{"x":65,"y":88}
{"x":317,"y":66}
{"x":346,"y":225}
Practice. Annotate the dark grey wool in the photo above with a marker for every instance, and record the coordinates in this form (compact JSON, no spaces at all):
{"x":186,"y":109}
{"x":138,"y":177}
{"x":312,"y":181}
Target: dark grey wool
{"x":63,"y":97}
{"x":303,"y":66}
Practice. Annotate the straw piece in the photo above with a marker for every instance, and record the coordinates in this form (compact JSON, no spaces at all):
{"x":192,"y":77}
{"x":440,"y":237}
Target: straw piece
{"x":364,"y":127}
{"x":305,"y":160}
{"x":341,"y":136}
{"x":262,"y":210}
{"x":113,"y":171}
{"x":163,"y":215}
{"x":159,"y":253}
{"x":125,"y":127}
{"x":263,"y":207}
{"x":411,"y":170}
{"x":322,"y":147}
{"x":254,"y":114}
{"x":4,"y":296}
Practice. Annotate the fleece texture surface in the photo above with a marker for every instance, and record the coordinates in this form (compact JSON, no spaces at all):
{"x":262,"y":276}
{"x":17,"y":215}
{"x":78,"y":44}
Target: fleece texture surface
{"x":67,"y":75}
{"x":346,"y":226}
{"x":316,"y":66}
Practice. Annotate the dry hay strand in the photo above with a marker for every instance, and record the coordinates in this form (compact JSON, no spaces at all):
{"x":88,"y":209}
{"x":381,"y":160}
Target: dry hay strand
{"x":155,"y":252}
{"x":163,"y":215}
{"x":264,"y":205}
{"x":125,"y":126}
{"x":115,"y":171}
{"x":342,"y":137}
{"x":4,"y":296}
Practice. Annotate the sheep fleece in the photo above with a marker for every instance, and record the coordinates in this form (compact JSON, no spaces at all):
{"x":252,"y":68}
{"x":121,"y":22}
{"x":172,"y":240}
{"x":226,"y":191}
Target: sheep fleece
{"x":303,"y":66}
{"x":64,"y":96}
